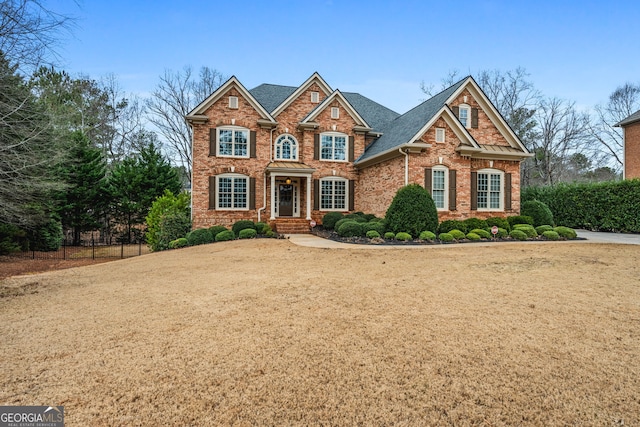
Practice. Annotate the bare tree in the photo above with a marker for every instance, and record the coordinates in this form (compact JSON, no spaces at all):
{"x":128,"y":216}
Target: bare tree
{"x":29,"y":32}
{"x":563,"y":132}
{"x":175,"y":96}
{"x":623,"y":102}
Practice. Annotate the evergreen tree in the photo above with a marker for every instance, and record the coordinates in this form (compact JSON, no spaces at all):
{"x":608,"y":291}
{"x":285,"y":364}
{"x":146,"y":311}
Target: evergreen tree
{"x":82,"y":206}
{"x":135,"y":184}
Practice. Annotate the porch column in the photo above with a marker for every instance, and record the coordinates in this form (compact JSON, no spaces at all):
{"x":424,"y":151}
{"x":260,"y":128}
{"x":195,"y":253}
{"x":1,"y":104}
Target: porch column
{"x":273,"y":196}
{"x":308,"y":197}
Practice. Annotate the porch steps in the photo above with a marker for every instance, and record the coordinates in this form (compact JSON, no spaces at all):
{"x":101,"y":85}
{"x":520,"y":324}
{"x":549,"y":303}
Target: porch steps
{"x":291,"y":226}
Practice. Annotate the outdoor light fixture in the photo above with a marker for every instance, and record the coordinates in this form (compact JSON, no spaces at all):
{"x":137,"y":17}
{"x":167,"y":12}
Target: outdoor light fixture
{"x":287,"y":181}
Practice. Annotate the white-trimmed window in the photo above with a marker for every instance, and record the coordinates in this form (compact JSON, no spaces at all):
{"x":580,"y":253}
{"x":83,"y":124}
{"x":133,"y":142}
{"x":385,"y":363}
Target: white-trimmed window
{"x":333,"y":146}
{"x":286,"y":148}
{"x":335,"y":113}
{"x":440,"y":186}
{"x":233,"y":142}
{"x":440,"y":135}
{"x":233,"y":102}
{"x":232,"y":192}
{"x":490,"y":189}
{"x":315,"y":97}
{"x":334,"y":194}
{"x":465,"y":115}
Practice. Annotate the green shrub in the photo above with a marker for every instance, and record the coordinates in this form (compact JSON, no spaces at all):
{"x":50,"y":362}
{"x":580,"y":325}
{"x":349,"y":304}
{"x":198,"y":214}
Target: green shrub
{"x":452,"y":224}
{"x":224,"y":236}
{"x":373,"y":234}
{"x":178,"y":243}
{"x":412,"y":211}
{"x":247,"y":233}
{"x":200,"y":236}
{"x":173,"y":225}
{"x":499,"y":222}
{"x":518,"y":235}
{"x":473,"y":236}
{"x":380,"y":220}
{"x":566,"y":232}
{"x":329,"y":220}
{"x":350,"y":228}
{"x":542,"y":228}
{"x":445,"y":237}
{"x":270,"y":233}
{"x":457,"y":234}
{"x":484,"y":234}
{"x":389,"y":235}
{"x":340,"y":222}
{"x":537,"y":210}
{"x":11,"y":238}
{"x":261,"y":227}
{"x":475,"y":223}
{"x":356,"y":216}
{"x":502,"y":233}
{"x":373,"y":225}
{"x":604,"y":206}
{"x":526,"y":229}
{"x":427,"y":235}
{"x":216,"y":229}
{"x":550,"y":235}
{"x":403,"y":237}
{"x":243,"y":224}
{"x":519,"y":219}
{"x":46,"y":237}
{"x":369,"y":217}
{"x":168,"y":219}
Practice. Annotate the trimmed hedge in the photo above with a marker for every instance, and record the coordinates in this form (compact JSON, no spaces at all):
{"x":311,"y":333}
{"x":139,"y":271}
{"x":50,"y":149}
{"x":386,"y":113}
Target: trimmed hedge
{"x":473,"y":237}
{"x":373,"y":234}
{"x":484,"y":234}
{"x":542,"y":228}
{"x":247,"y":233}
{"x":427,"y":235}
{"x":403,"y":237}
{"x":243,"y":224}
{"x":566,"y":232}
{"x":550,"y":235}
{"x":200,"y":236}
{"x":178,"y":243}
{"x":374,"y":226}
{"x":457,"y":234}
{"x":518,"y":235}
{"x":452,"y":224}
{"x":225,"y":236}
{"x":329,"y":220}
{"x":519,"y":219}
{"x":474,"y":223}
{"x":215,"y":229}
{"x":526,"y":229}
{"x":390,"y":235}
{"x":537,"y":210}
{"x":350,"y":228}
{"x":445,"y":237}
{"x":412,"y":211}
{"x":498,"y":221}
{"x":601,"y":206}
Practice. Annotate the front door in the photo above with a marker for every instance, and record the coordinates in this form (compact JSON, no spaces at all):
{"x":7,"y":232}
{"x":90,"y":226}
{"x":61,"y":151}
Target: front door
{"x":285,"y":199}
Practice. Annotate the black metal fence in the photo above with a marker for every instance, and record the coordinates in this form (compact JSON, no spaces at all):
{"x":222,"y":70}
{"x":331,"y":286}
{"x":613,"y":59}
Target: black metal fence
{"x":89,"y":250}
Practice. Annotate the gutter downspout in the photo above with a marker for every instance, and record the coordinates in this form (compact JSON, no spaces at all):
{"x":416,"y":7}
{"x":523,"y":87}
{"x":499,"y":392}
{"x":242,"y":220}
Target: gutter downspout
{"x":264,"y":190}
{"x":406,"y":166}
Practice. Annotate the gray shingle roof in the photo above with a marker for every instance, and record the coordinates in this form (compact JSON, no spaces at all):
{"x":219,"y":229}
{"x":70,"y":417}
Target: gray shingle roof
{"x":404,"y":127}
{"x":635,"y":117}
{"x":270,"y":96}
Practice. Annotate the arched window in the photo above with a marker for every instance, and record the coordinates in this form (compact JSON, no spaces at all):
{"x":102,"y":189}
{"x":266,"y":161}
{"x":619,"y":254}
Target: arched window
{"x":286,"y":148}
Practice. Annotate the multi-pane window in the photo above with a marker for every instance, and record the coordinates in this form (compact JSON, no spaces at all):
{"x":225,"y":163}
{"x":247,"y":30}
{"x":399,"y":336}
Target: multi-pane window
{"x":286,"y":148}
{"x":333,"y":146}
{"x":232,"y":192}
{"x":233,"y":142}
{"x":438,"y":187}
{"x":333,"y":194}
{"x":489,"y":190}
{"x":465,"y":113}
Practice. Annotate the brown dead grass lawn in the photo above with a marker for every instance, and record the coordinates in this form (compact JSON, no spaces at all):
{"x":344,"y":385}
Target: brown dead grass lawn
{"x":267,"y":333}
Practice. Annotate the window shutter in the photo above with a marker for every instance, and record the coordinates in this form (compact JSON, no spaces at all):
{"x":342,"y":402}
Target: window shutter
{"x":351,"y":148}
{"x":252,"y":193}
{"x":456,"y":111}
{"x":427,"y":180}
{"x":212,"y":192}
{"x":474,"y":118}
{"x":352,"y":187}
{"x":507,"y":191}
{"x":474,"y":191}
{"x":316,"y":194}
{"x":316,"y":147}
{"x":252,"y":144}
{"x":452,"y":190}
{"x":212,"y":141}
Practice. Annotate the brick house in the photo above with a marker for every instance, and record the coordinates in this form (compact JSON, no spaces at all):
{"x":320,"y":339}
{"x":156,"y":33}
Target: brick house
{"x":631,"y":128}
{"x":289,"y":155}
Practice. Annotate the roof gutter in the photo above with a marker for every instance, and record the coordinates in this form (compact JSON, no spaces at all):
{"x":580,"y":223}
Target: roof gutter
{"x":409,"y":147}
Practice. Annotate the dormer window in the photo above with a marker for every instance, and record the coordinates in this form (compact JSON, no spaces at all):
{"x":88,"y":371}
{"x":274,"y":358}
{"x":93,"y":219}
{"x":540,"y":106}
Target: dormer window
{"x":315,"y":97}
{"x":335,"y":113}
{"x":233,"y":102}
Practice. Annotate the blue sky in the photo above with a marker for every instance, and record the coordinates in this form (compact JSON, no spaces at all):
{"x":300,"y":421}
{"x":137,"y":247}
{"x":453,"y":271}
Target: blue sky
{"x":576,"y":50}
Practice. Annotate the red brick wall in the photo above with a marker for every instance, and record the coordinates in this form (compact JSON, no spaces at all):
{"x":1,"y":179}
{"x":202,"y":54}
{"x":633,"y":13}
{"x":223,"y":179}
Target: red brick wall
{"x":632,"y":151}
{"x":486,"y":133}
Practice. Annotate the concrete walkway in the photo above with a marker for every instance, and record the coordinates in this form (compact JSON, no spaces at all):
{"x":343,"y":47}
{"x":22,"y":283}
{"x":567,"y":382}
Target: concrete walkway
{"x":311,"y":241}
